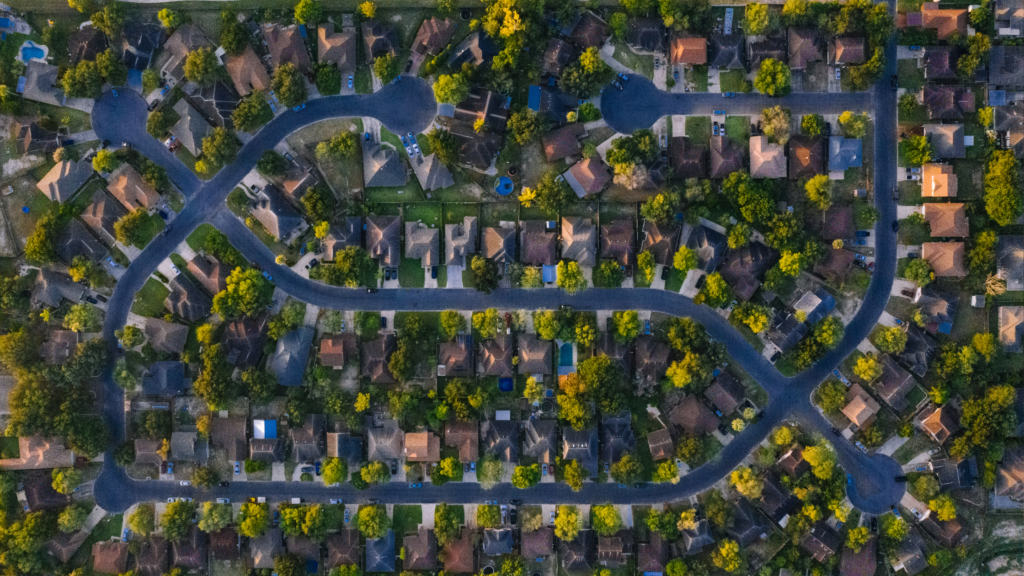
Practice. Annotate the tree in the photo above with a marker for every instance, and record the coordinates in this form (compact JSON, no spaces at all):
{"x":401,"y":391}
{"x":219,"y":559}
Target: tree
{"x":747,"y":482}
{"x":219,"y":148}
{"x":627,"y":470}
{"x":944,"y":506}
{"x":660,"y":208}
{"x":110,"y":67}
{"x":853,"y":125}
{"x":104,"y":161}
{"x":215,"y":517}
{"x":131,"y":229}
{"x":143,"y":520}
{"x":822,"y":460}
{"x":201,"y":66}
{"x":214,"y":384}
{"x":488,"y":516}
{"x":758,"y":19}
{"x":525,"y":125}
{"x":627,"y":325}
{"x":1003,"y":188}
{"x":452,"y":323}
{"x":233,"y":35}
{"x":288,"y":565}
{"x":446,"y":524}
{"x":819,"y":191}
{"x":856,"y":538}
{"x":176,"y":521}
{"x":342,"y":145}
{"x":552,"y":195}
{"x":812,"y":125}
{"x":308,"y":12}
{"x":753,"y":316}
{"x":920,"y":271}
{"x":893,"y":531}
{"x":587,"y":76}
{"x":526,"y":476}
{"x":246,"y":292}
{"x":319,"y":203}
{"x":204,"y":477}
{"x":251,"y":114}
{"x":65,"y":480}
{"x":368,"y":9}
{"x":890,"y":340}
{"x":867,"y":368}
{"x":110,"y":19}
{"x":567,"y":522}
{"x":169,"y":18}
{"x":570,"y":277}
{"x":775,"y":121}
{"x":335,"y":471}
{"x":444,"y":146}
{"x":605,"y":519}
{"x":773,"y":78}
{"x":684,"y":260}
{"x":314,"y":524}
{"x":574,"y":474}
{"x":254,"y":519}
{"x":290,"y":85}
{"x":386,"y":67}
{"x":83,"y":81}
{"x":985,"y":345}
{"x":374,"y":521}
{"x":485,"y":274}
{"x":451,"y":88}
{"x":918,"y":150}
{"x":715,"y":291}
{"x":375,"y":473}
{"x":72,"y":518}
{"x":82,"y":317}
{"x":978,"y":47}
{"x":727,"y":556}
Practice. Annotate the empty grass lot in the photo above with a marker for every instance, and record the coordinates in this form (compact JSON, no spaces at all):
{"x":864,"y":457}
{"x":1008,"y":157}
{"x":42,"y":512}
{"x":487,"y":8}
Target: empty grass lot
{"x":698,"y":128}
{"x":732,"y":81}
{"x":150,"y":300}
{"x":909,"y":76}
{"x":737,"y":128}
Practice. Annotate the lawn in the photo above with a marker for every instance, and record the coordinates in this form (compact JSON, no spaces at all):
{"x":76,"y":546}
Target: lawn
{"x":698,"y":128}
{"x":9,"y":447}
{"x":917,"y":443}
{"x":363,"y":80}
{"x":911,"y":234}
{"x":108,"y":528}
{"x":406,"y":519}
{"x":910,"y":193}
{"x":428,"y":213}
{"x":154,"y":224}
{"x":150,"y":300}
{"x":411,"y":273}
{"x":238,"y":202}
{"x":732,"y":81}
{"x":454,"y":213}
{"x":699,"y":78}
{"x":674,"y":281}
{"x":917,"y":116}
{"x":642,"y":64}
{"x":909,"y":76}
{"x":737,"y":128}
{"x":493,"y":213}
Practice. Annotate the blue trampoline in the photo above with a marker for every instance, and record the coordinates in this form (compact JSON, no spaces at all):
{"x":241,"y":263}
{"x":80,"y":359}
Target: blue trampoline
{"x":505,"y":384}
{"x":503,"y":186}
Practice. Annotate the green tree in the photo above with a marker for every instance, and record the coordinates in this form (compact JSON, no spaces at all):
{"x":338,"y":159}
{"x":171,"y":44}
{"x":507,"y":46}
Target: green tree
{"x":715,"y":291}
{"x":219,"y":149}
{"x":853,"y":125}
{"x":660,"y":208}
{"x":201,"y":66}
{"x":444,"y":146}
{"x":246,"y":292}
{"x":605,"y":519}
{"x":747,"y":482}
{"x":104,"y":161}
{"x":169,"y":18}
{"x":290,"y":85}
{"x":1003,"y":188}
{"x":867,"y":368}
{"x":215,"y":517}
{"x":627,"y":325}
{"x":819,"y":191}
{"x":856,"y":538}
{"x":525,"y":125}
{"x":446,"y":524}
{"x":775,"y":121}
{"x":485,"y":274}
{"x":822,"y":460}
{"x":587,"y":76}
{"x":110,"y":19}
{"x":374,"y":521}
{"x":832,"y":396}
{"x":893,"y":531}
{"x":452,"y":323}
{"x":110,"y":67}
{"x":131,"y":229}
{"x":567,"y":522}
{"x":727,"y":556}
{"x":920,"y":271}
{"x":570,"y":277}
{"x":375,"y":473}
{"x":335,"y":471}
{"x":574,"y":475}
{"x":204,"y":477}
{"x":488,"y":516}
{"x":526,"y":476}
{"x":82,"y":317}
{"x":251,"y":114}
{"x":65,"y":480}
{"x":143,"y":520}
{"x":288,"y":565}
{"x":627,"y":470}
{"x":684,"y":260}
{"x":386,"y":67}
{"x":176,"y":521}
{"x":944,"y":506}
{"x":812,"y":125}
{"x":918,"y":150}
{"x":233,"y":35}
{"x":254,"y":519}
{"x":451,"y":88}
{"x":773,"y":78}
{"x":308,"y":12}
{"x":270,"y":163}
{"x":72,"y":518}
{"x":327,"y":78}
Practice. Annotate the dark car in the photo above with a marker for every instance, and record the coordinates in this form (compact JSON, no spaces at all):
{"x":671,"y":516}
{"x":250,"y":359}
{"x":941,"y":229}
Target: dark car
{"x":874,"y":524}
{"x":433,"y":272}
{"x":383,"y":322}
{"x":512,"y":516}
{"x":892,"y":80}
{"x":665,"y":272}
{"x":775,"y":357}
{"x":895,"y":226}
{"x":835,"y":431}
{"x":225,"y":484}
{"x":901,"y":479}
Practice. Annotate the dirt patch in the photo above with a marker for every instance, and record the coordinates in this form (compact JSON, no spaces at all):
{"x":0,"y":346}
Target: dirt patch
{"x":1009,"y":529}
{"x":17,"y":166}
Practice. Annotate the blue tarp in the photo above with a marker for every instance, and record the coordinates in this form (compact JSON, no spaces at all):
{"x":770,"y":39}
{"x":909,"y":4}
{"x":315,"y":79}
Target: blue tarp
{"x":533,"y":98}
{"x":505,"y":384}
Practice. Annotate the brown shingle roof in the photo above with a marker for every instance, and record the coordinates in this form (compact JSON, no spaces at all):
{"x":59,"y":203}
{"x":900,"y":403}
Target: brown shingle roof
{"x":343,"y":549}
{"x":336,"y":47}
{"x":660,"y":444}
{"x":152,"y":557}
{"x":375,"y":357}
{"x":286,"y":45}
{"x":726,"y":392}
{"x":806,"y":156}
{"x":496,"y":356}
{"x":946,"y":220}
{"x":945,"y":22}
{"x":691,"y":51}
{"x":940,"y":422}
{"x":804,"y":47}
{"x":534,"y":355}
{"x":946,"y":258}
{"x":127,"y":185}
{"x":422,"y":447}
{"x":465,"y":436}
{"x":860,"y":406}
{"x":433,"y":36}
{"x":693,"y":416}
{"x":846,"y":50}
{"x":110,"y":557}
{"x":590,"y":31}
{"x":458,"y":554}
{"x":538,"y":244}
{"x":247,"y":72}
{"x":563,"y":142}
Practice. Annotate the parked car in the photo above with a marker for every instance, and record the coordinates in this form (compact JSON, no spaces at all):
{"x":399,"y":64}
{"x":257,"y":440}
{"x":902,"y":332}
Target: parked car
{"x":366,"y":136}
{"x":647,"y":327}
{"x":238,"y":468}
{"x":719,"y":112}
{"x":894,"y":82}
{"x":268,"y":276}
{"x":623,"y":77}
{"x":186,"y":483}
{"x":544,"y":470}
{"x":397,"y":78}
{"x":665,"y":272}
{"x":863,"y":233}
{"x":124,"y":535}
{"x":860,"y":257}
{"x":299,"y":108}
{"x":350,"y":81}
{"x":225,"y":484}
{"x":416,"y":485}
{"x":512,"y":516}
{"x":346,"y":515}
{"x":839,"y":73}
{"x":223,"y":501}
{"x":433,"y":272}
{"x":383,"y":322}
{"x":114,"y":92}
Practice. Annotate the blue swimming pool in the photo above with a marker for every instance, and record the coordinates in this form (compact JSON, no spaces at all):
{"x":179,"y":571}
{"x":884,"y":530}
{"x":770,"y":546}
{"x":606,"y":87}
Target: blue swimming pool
{"x":565,"y":355}
{"x":30,"y":52}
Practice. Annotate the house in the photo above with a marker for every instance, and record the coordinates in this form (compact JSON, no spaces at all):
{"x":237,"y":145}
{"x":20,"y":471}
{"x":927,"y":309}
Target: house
{"x":382,"y":167}
{"x":475,"y":49}
{"x":139,"y":40}
{"x":280,"y":219}
{"x":1010,"y":474}
{"x":747,"y":524}
{"x":187,"y":446}
{"x":793,"y":463}
{"x":263,"y":549}
{"x":421,"y":243}
{"x":464,"y":436}
{"x":496,"y":356}
{"x":687,"y":159}
{"x":247,"y":72}
{"x":501,"y":439}
{"x":804,"y":47}
{"x":726,"y":51}
{"x":225,"y":544}
{"x":385,"y":443}
{"x":743,"y":267}
{"x":767,"y":47}
{"x":726,"y":392}
{"x":383,"y":238}
{"x":335,"y":349}
{"x":695,"y":540}
{"x":34,"y":139}
{"x":767,"y":160}
{"x":579,"y":554}
{"x":537,"y":544}
{"x":815,"y":305}
{"x":651,"y":359}
{"x":940,"y":422}
{"x":60,"y":346}
{"x":822,"y":542}
{"x":458,"y":554}
{"x":164,"y":378}
{"x":64,"y":179}
{"x":581,"y":446}
{"x":1009,"y":18}
{"x":618,"y":352}
{"x":422,"y":447}
{"x":230,"y":435}
{"x":308,"y":441}
{"x":579,"y":240}
{"x":661,"y":240}
{"x":726,"y":157}
{"x":52,"y":287}
{"x":499,"y":243}
{"x":564,"y":141}
{"x":653,"y":556}
{"x":186,"y":300}
{"x":338,"y":48}
{"x":345,"y":446}
{"x":590,"y":31}
{"x":539,"y":440}
{"x":949,"y":533}
{"x":862,"y":563}
{"x":243,"y":340}
{"x":534,"y":355}
{"x":844,"y":153}
{"x":835,"y":265}
{"x":786,"y":331}
{"x":539,"y":244}
{"x":216,"y":101}
{"x":153,"y":556}
{"x":617,"y":239}
{"x":1008,"y":122}
{"x":938,"y":181}
{"x":806,"y":156}
{"x":776,"y":500}
{"x":420,"y":550}
{"x":39,"y":453}
{"x":286,"y":46}
{"x":1011,"y":327}
{"x":303,"y":548}
{"x":190,"y":552}
{"x":613,"y":550}
{"x":343,"y":548}
{"x":946,"y":22}
{"x":165,"y":336}
{"x":688,"y":51}
{"x":940,"y":62}
{"x":557,"y":56}
{"x":431,"y":173}
{"x":110,"y":557}
{"x":35,"y":490}
{"x":646,"y":35}
{"x":268,"y":450}
{"x":910,"y":553}
{"x":918,"y":352}
{"x":617,"y":438}
{"x":940,"y":309}
{"x":693,"y":416}
{"x":347,"y":231}
{"x":148,"y":452}
{"x":457,"y":357}
{"x":588,"y":176}
{"x":85,"y":43}
{"x":208,"y":271}
{"x":860,"y":407}
{"x":946,"y":258}
{"x":186,"y":38}
{"x":191,"y":127}
{"x":948,"y":102}
{"x":101,"y":215}
{"x":947,"y":140}
{"x":956,"y":475}
{"x":433,"y":36}
{"x":846,"y":50}
{"x":947,"y":220}
{"x":41,"y":84}
{"x":375,"y":357}
{"x":128,"y":186}
{"x":478,"y":149}
{"x":497,"y":542}
{"x":894,"y":384}
{"x":660,"y":444}
{"x":837,"y":223}
{"x":1004,"y":66}
{"x":75,"y":240}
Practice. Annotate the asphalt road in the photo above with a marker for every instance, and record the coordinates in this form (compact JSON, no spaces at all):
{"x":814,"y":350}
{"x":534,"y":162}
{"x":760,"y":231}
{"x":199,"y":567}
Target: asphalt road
{"x":409,"y":106}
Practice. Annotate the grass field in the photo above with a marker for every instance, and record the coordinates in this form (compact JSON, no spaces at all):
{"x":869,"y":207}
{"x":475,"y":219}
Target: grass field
{"x":698,"y":128}
{"x":643,"y":64}
{"x":406,"y":518}
{"x":154,"y":224}
{"x":732,"y":81}
{"x":737,"y":128}
{"x":150,"y":300}
{"x":909,"y":76}
{"x":411,"y":273}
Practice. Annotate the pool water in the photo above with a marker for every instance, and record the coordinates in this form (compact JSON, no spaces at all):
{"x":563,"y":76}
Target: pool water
{"x":30,"y":52}
{"x":565,"y":355}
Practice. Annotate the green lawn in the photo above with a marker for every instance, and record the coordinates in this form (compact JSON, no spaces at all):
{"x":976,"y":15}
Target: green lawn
{"x":699,"y":78}
{"x":406,"y":518}
{"x":238,"y":202}
{"x":363,"y":82}
{"x":674,"y":281}
{"x":442,"y":277}
{"x":642,"y":64}
{"x":909,"y":76}
{"x":150,"y":300}
{"x":698,"y":129}
{"x":732,"y":81}
{"x":154,"y":225}
{"x":428,"y":213}
{"x":411,"y":273}
{"x":737,"y":128}
{"x":914,"y":234}
{"x":9,"y":447}
{"x":910,"y":193}
{"x":916,"y":444}
{"x":916,"y":117}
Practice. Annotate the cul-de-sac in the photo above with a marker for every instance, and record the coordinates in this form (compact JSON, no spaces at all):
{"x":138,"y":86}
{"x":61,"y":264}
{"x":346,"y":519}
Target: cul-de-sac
{"x":511,"y":288}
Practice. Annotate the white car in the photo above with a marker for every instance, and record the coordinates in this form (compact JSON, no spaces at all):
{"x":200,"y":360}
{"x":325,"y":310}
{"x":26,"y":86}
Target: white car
{"x":186,"y":483}
{"x":223,"y":501}
{"x":175,"y":270}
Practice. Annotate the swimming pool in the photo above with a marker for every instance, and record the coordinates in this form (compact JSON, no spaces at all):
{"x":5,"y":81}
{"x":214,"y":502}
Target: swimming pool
{"x":30,"y":52}
{"x":565,"y":355}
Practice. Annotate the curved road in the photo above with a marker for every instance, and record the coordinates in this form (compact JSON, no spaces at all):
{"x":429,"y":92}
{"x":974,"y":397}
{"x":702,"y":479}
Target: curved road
{"x":409,"y":106}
